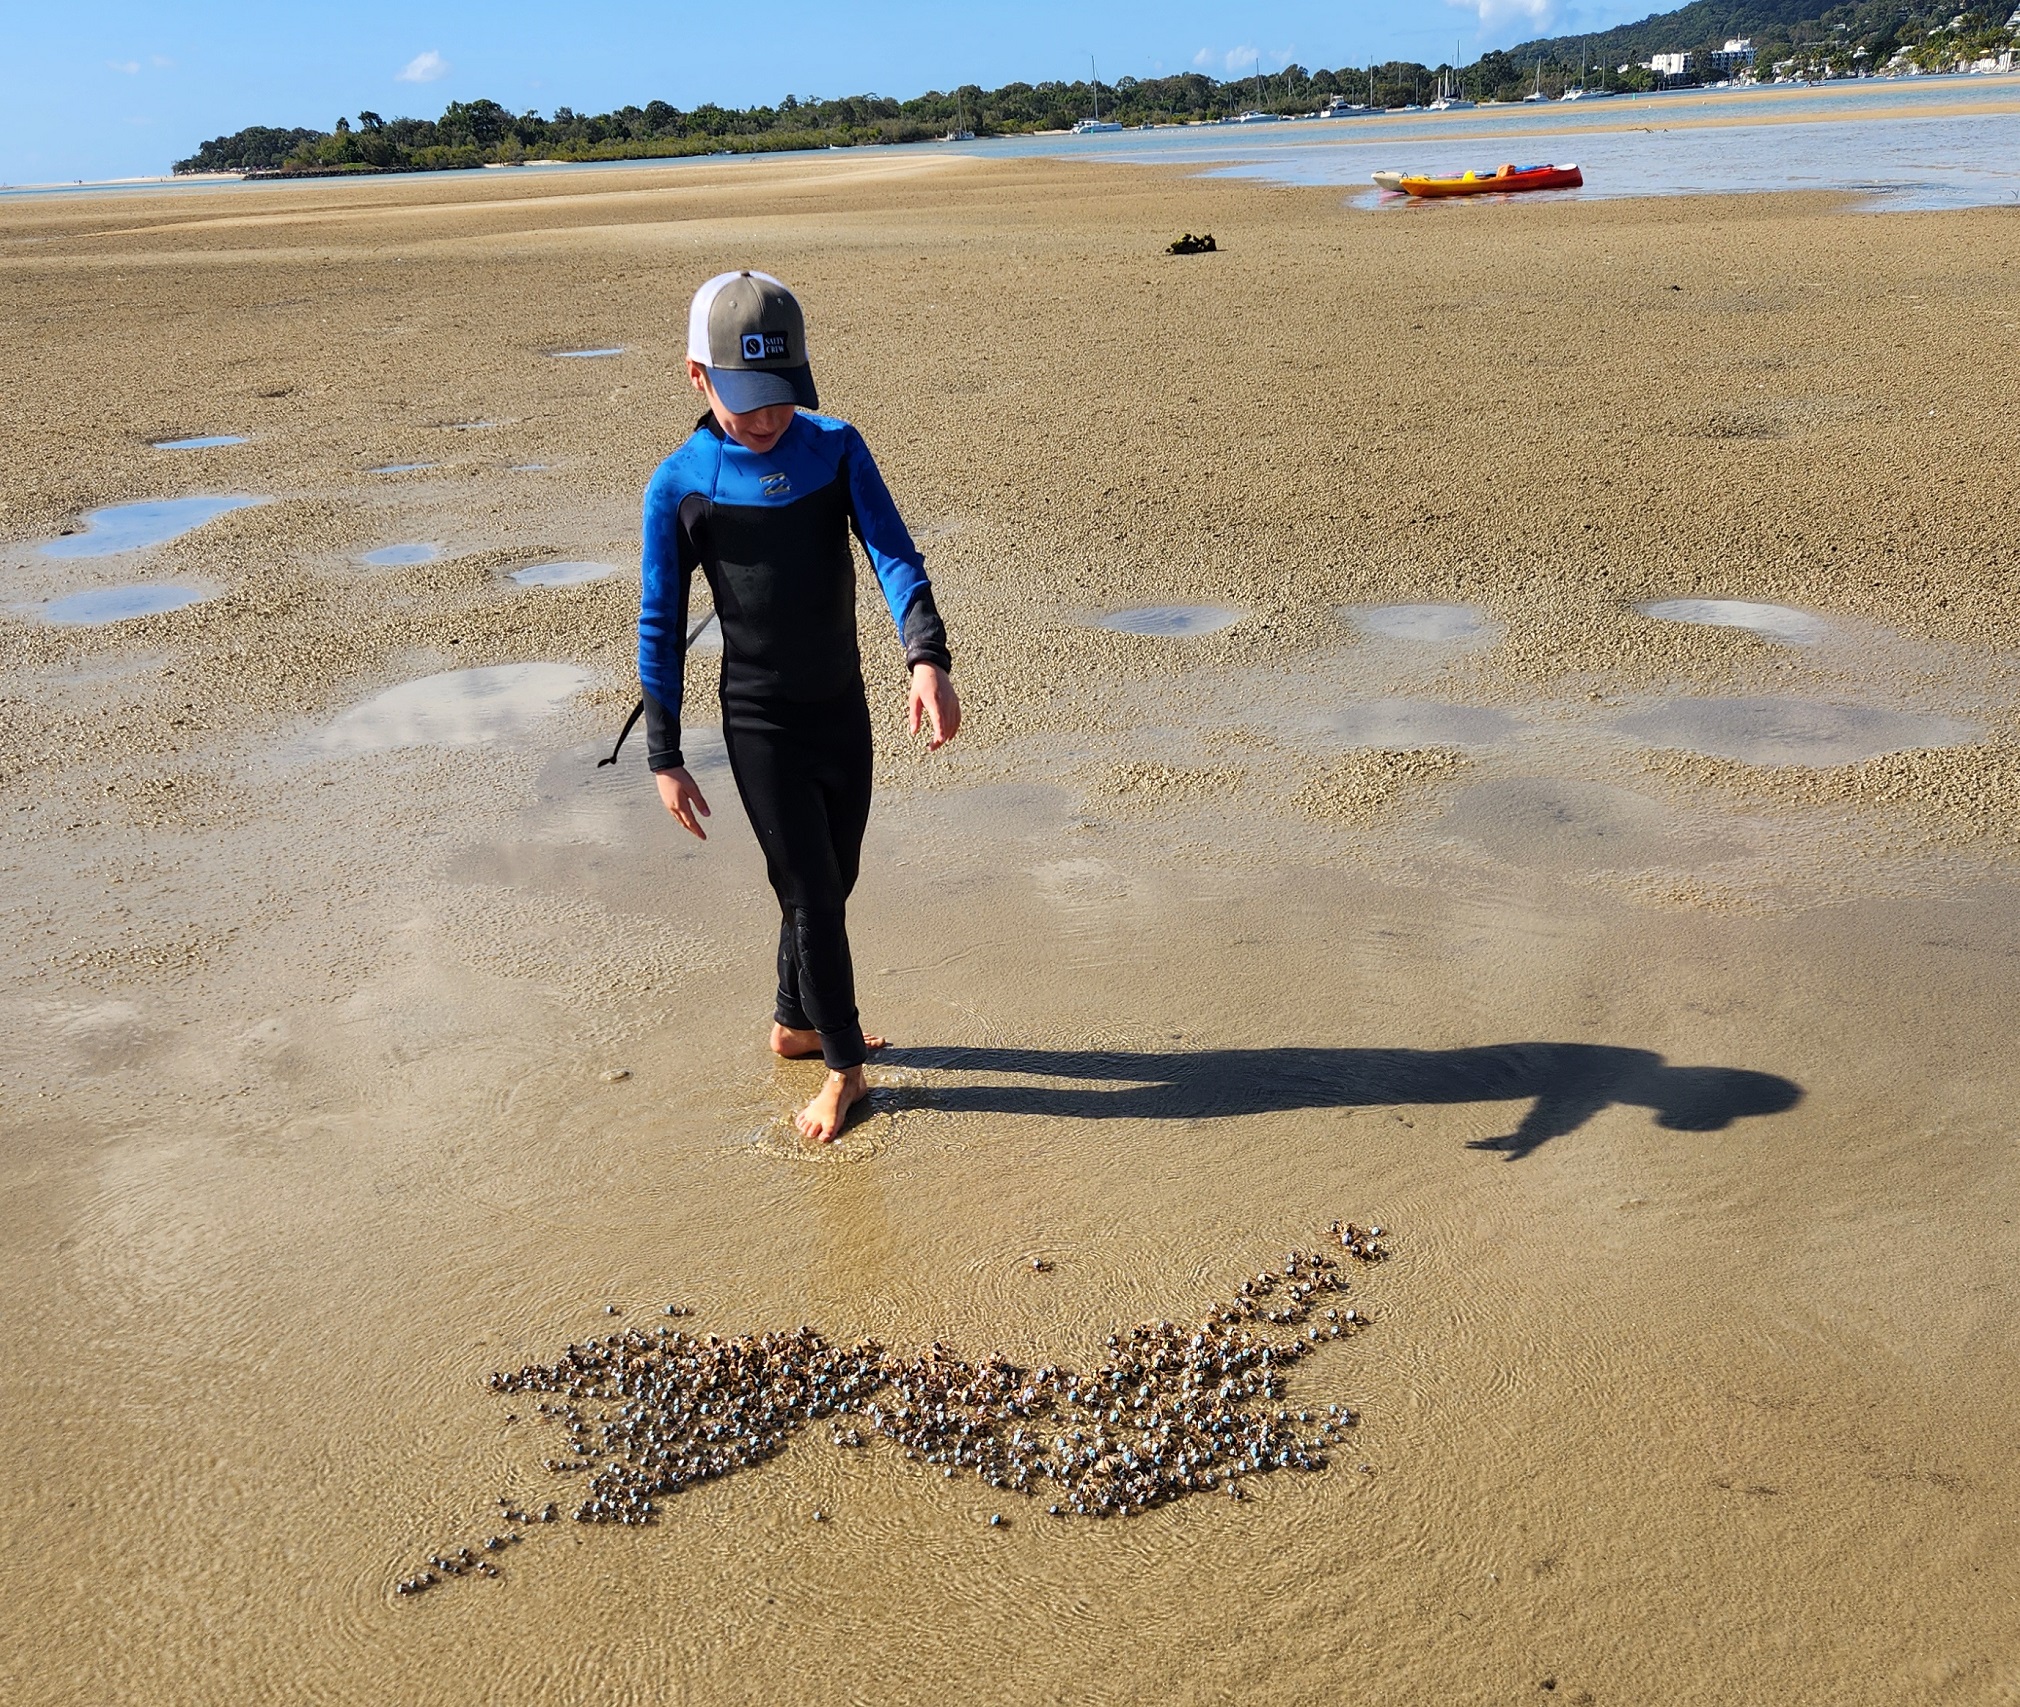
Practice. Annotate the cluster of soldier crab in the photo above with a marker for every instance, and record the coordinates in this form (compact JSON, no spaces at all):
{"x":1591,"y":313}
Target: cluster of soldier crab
{"x":1174,"y":1410}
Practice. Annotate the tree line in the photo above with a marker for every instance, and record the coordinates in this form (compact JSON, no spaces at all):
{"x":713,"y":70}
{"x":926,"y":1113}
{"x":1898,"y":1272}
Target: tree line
{"x":1863,"y":35}
{"x":477,"y":133}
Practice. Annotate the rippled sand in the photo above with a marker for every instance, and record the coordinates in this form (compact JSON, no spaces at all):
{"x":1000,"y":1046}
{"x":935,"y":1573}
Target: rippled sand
{"x":340,"y":1071}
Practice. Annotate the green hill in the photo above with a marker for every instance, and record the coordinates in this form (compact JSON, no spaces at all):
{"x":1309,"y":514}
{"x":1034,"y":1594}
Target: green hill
{"x":1808,"y":39}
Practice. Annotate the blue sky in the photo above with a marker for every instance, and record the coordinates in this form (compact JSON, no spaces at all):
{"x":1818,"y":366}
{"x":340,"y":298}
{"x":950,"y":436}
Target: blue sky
{"x":116,"y":88}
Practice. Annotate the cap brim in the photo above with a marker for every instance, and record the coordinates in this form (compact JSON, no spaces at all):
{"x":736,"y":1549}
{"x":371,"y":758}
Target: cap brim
{"x":745,"y":389}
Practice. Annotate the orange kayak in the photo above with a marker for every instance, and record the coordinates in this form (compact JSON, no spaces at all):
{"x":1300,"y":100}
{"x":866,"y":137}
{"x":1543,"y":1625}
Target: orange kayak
{"x":1507,"y":179}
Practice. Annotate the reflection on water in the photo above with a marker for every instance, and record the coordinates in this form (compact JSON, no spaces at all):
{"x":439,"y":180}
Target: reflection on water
{"x":1790,"y":731}
{"x":1171,"y":622}
{"x":1406,"y":723}
{"x":208,"y":442}
{"x":458,"y":708}
{"x":1431,"y":624}
{"x":562,"y":574}
{"x":131,"y":527}
{"x":117,"y":604}
{"x":1773,"y":622}
{"x":398,"y":556}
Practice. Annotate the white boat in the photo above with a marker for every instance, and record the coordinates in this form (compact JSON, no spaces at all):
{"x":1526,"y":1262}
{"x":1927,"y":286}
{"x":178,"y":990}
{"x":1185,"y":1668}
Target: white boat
{"x":1392,"y":182}
{"x":1449,"y":99}
{"x":1256,"y":118}
{"x":1581,"y":93}
{"x":1097,"y":125}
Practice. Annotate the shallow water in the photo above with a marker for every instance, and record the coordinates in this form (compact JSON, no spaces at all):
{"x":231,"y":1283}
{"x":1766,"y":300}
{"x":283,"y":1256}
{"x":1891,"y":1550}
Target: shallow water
{"x":398,"y":467}
{"x":133,"y":527}
{"x":208,"y":442}
{"x":1772,"y":622}
{"x":117,"y":604}
{"x":402,"y":555}
{"x":1171,"y":622}
{"x":584,"y":355}
{"x":562,"y":574}
{"x":1430,"y":624}
{"x":1407,"y":723}
{"x":1559,"y":824}
{"x":459,"y":708}
{"x":1872,"y":137}
{"x":1790,"y":731}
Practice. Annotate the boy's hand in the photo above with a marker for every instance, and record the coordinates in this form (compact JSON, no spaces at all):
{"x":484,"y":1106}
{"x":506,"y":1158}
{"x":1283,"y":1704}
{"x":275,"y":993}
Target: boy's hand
{"x":683,"y":799}
{"x":933,"y":698}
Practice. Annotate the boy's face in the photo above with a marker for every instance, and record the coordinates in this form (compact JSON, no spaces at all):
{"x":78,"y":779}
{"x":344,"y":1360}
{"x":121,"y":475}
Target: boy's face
{"x":755,"y":429}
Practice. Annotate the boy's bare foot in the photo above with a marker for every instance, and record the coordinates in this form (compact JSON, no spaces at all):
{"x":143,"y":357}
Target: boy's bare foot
{"x":796,"y":1044}
{"x":823,"y":1118}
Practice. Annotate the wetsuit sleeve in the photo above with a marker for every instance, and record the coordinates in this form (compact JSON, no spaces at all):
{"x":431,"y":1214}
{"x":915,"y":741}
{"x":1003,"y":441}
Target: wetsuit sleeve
{"x":901,"y":571}
{"x":666,"y":571}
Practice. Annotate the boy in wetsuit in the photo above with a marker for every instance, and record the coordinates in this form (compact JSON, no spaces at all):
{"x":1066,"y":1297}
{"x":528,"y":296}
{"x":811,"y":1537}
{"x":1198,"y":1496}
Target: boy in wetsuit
{"x":762,"y":500}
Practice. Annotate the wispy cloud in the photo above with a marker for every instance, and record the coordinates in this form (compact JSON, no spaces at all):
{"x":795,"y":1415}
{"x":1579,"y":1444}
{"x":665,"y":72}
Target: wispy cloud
{"x":1241,"y":61}
{"x":424,"y":68}
{"x":1497,"y":15}
{"x":127,"y":67}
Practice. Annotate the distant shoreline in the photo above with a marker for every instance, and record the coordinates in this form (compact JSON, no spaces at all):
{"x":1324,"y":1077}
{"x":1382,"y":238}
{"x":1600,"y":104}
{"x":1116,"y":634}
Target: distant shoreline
{"x":1687,"y":104}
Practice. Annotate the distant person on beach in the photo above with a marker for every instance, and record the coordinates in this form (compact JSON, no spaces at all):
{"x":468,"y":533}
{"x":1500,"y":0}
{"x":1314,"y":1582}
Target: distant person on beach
{"x":762,"y":499}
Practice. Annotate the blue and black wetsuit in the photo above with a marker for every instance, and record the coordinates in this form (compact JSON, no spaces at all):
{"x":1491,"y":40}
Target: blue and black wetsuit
{"x":771,"y":533}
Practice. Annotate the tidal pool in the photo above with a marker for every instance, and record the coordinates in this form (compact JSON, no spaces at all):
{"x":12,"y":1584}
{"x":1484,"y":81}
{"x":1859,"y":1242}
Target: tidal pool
{"x":1406,"y":723}
{"x":1771,"y":622}
{"x":208,"y":442}
{"x":133,"y":527}
{"x":562,"y":574}
{"x":1171,"y":622}
{"x":117,"y":604}
{"x":1428,"y":624}
{"x":400,"y":556}
{"x":584,"y":355}
{"x":1790,"y":731}
{"x":459,"y":708}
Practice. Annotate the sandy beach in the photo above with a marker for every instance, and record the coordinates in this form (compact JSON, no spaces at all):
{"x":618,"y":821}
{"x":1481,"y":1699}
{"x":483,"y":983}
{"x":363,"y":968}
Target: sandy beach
{"x":1648,"y":980}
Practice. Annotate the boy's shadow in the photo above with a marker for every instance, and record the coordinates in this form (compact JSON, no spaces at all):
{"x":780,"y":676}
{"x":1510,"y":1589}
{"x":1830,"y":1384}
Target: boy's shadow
{"x":1568,"y":1082}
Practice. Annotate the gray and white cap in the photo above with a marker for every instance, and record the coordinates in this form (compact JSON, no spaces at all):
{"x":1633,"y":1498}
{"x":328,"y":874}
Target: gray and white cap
{"x":747,"y":330}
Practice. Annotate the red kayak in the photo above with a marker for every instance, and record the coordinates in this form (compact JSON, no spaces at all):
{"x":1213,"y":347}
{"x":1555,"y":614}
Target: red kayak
{"x":1501,"y":182}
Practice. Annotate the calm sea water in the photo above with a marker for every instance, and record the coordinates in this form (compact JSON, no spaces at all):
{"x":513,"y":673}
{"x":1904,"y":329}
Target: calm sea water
{"x":1921,"y":142}
{"x":1924,"y":142}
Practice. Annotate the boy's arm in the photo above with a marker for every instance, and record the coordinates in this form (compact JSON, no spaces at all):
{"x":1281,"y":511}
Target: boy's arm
{"x":666,"y":571}
{"x":901,"y":571}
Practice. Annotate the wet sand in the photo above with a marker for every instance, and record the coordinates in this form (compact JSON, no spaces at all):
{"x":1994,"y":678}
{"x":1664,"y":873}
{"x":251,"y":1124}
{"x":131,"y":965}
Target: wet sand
{"x":1683,"y":1079}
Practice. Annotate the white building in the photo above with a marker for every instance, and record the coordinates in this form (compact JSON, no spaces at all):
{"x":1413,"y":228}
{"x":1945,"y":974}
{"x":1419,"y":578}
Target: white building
{"x":1670,"y":64}
{"x":1734,"y":59}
